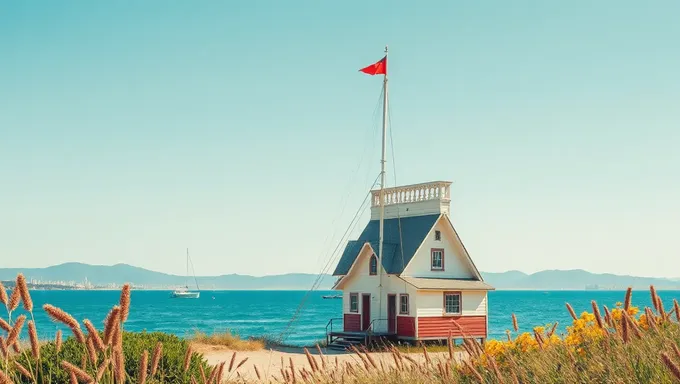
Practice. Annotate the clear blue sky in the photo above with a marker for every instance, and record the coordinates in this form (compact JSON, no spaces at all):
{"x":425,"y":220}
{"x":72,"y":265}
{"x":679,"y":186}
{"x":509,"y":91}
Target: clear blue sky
{"x":131,"y":130}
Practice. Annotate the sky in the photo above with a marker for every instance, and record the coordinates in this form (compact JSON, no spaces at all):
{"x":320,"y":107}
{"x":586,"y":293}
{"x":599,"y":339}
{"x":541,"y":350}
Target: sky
{"x":243,"y":131}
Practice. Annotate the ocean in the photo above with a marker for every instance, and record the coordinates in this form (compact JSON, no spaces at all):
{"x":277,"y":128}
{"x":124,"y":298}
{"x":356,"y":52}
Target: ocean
{"x":269,"y":313}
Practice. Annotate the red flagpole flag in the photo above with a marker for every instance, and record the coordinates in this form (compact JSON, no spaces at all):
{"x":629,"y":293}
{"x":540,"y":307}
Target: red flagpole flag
{"x":379,"y":68}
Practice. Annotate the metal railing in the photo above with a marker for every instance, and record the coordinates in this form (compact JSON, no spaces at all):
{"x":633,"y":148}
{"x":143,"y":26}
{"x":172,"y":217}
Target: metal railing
{"x":330,"y":324}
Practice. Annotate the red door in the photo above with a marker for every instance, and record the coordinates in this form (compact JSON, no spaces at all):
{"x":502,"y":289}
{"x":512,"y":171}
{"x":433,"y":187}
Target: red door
{"x":365,"y":311}
{"x":391,"y":313}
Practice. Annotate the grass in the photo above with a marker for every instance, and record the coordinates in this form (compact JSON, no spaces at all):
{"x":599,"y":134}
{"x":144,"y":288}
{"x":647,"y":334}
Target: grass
{"x":228,"y":340}
{"x":624,"y":345}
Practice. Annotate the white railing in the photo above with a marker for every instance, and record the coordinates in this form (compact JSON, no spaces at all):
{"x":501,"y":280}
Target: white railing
{"x":436,"y":190}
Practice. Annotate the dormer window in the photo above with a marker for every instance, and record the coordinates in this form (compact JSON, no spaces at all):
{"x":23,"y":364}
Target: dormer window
{"x":438,"y":235}
{"x":437,"y":259}
{"x":373,"y":266}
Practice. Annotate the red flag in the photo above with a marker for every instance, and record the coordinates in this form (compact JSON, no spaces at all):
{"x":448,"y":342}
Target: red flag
{"x":379,"y":68}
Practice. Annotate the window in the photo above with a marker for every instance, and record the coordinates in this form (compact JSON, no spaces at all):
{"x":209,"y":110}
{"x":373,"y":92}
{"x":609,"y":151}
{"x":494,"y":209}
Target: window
{"x":438,"y":235}
{"x":437,"y":259}
{"x":403,"y":304}
{"x":452,"y":303}
{"x":373,"y":266}
{"x":354,"y":302}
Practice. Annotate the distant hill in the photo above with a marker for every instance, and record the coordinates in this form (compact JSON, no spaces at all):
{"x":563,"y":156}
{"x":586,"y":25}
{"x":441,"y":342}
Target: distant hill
{"x":576,"y":279}
{"x":122,"y":273}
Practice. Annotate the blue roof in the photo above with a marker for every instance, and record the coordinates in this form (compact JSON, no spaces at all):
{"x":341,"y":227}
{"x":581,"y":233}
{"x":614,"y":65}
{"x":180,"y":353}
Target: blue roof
{"x":413,"y":232}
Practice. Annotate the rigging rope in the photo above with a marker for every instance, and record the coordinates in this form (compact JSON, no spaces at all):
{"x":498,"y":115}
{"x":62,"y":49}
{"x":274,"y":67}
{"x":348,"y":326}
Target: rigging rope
{"x":325,"y":269}
{"x":394,"y":170}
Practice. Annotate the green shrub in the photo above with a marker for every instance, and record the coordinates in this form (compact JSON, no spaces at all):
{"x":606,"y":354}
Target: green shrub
{"x":170,"y":367}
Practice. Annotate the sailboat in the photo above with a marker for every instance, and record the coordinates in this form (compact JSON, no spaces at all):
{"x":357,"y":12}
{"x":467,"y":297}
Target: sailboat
{"x":184,"y":292}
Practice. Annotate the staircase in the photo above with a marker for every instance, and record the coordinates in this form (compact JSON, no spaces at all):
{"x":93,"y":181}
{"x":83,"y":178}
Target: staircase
{"x":342,"y":341}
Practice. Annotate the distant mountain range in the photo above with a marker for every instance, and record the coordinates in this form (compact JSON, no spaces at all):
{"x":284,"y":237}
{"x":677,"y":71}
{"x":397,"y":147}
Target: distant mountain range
{"x":122,"y":273}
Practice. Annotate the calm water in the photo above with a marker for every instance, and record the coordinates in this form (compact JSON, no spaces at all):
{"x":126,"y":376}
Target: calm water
{"x":256,"y":313}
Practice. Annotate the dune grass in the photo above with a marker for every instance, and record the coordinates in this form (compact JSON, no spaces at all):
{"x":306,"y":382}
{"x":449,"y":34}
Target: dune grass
{"x":624,"y":345}
{"x":228,"y":340}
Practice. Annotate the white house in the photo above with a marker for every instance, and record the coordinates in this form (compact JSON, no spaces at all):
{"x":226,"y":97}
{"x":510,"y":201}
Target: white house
{"x":427,"y":287}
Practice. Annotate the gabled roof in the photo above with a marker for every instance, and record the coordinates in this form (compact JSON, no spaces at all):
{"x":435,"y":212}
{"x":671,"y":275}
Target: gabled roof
{"x":413,"y":232}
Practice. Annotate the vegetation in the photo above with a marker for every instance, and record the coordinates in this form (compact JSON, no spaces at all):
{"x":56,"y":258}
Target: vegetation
{"x":621,"y":345}
{"x":228,"y":340}
{"x":110,"y":356}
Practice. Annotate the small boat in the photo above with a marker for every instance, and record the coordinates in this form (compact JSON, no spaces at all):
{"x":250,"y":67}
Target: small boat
{"x":184,"y":292}
{"x":332,"y":296}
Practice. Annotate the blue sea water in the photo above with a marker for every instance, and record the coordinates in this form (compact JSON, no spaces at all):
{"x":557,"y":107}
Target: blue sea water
{"x":268,"y":313}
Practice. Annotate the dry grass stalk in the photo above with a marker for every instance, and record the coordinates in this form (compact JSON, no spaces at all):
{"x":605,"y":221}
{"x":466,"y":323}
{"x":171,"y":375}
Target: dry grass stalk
{"x":233,"y":359}
{"x":629,"y":298}
{"x":321,"y":356}
{"x":596,"y":313}
{"x":119,"y":366}
{"x":91,"y":351}
{"x":4,"y":352}
{"x":608,"y":317}
{"x":125,"y":303}
{"x":651,"y":319}
{"x":4,"y":378}
{"x":94,"y":335}
{"x":514,"y":323}
{"x":14,"y":299}
{"x":571,"y":312}
{"x":112,"y":320}
{"x":449,"y":344}
{"x":187,"y":359}
{"x":5,"y":326}
{"x":73,"y":379}
{"x":631,"y":324}
{"x":474,"y":371}
{"x":220,"y":373}
{"x":213,"y":374}
{"x":157,"y":353}
{"x":117,"y":338}
{"x":241,"y":363}
{"x":102,"y":369}
{"x":22,"y":287}
{"x":670,"y":365}
{"x":202,"y":372}
{"x":58,"y":341}
{"x":80,"y":374}
{"x":624,"y":331}
{"x":61,"y":316}
{"x":311,"y":360}
{"x":676,"y":350}
{"x":654,"y":296}
{"x":292,"y":369}
{"x":15,"y":348}
{"x":676,"y":307}
{"x":553,"y":329}
{"x":3,"y":295}
{"x":24,"y":372}
{"x":143,"y":367}
{"x":13,"y":335}
{"x":33,"y":336}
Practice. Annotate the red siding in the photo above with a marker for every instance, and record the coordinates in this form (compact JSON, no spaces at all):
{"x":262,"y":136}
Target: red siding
{"x":472,"y":326}
{"x":352,"y":322}
{"x":406,"y":326}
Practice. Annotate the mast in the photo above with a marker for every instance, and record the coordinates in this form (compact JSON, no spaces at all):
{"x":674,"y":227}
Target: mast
{"x":382,"y":186}
{"x":186,"y":280}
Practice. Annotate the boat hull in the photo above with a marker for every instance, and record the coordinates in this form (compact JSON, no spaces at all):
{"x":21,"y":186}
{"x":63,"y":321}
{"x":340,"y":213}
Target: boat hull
{"x":186,"y":295}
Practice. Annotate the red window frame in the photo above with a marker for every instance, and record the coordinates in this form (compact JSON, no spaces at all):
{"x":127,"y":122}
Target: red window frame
{"x":460,"y":303}
{"x":432,"y":251}
{"x":408,"y":304}
{"x":370,"y":266}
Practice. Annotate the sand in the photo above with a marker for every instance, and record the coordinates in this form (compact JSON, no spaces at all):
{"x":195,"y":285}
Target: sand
{"x":269,"y":361}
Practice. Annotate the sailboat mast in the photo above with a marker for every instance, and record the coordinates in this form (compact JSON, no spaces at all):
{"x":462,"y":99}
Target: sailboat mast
{"x":382,"y":184}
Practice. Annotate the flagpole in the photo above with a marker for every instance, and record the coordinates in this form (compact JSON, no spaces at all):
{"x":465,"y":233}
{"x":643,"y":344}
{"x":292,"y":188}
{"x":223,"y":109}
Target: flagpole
{"x":382,"y":186}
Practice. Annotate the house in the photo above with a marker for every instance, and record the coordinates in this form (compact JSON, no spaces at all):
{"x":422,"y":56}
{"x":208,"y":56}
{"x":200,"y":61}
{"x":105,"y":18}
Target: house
{"x":427,"y":287}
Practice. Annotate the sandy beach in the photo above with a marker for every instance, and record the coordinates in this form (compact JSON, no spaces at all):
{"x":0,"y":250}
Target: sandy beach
{"x":269,"y":361}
